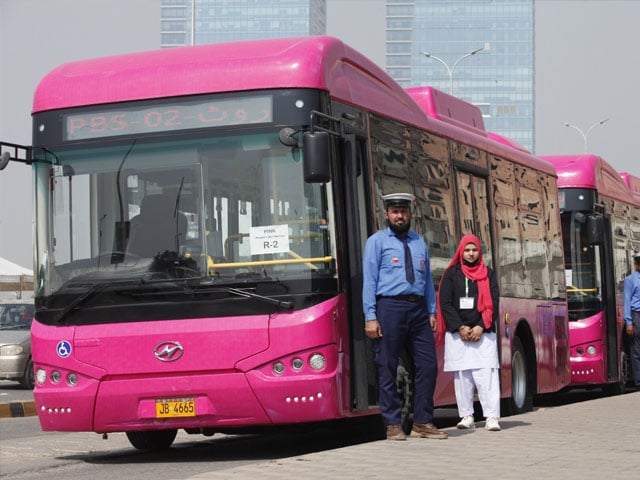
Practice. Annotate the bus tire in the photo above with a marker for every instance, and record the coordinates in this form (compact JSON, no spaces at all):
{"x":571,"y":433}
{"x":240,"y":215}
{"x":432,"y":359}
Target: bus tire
{"x":28,"y":380}
{"x":152,"y":440}
{"x":620,"y":387}
{"x":521,"y":399}
{"x":626,"y":368}
{"x":404,"y":383}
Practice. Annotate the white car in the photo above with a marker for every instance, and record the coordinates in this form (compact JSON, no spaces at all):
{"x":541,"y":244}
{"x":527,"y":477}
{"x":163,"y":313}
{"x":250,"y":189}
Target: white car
{"x":15,"y":343}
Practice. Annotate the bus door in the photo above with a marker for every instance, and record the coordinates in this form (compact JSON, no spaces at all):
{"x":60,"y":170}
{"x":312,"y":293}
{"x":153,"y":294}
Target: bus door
{"x":605,"y":279}
{"x":355,"y":214}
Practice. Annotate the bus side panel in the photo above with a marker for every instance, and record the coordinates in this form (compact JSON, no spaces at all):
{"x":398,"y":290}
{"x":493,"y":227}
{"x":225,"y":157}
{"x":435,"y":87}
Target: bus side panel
{"x":552,"y":348}
{"x":445,"y":394}
{"x":543,"y":331}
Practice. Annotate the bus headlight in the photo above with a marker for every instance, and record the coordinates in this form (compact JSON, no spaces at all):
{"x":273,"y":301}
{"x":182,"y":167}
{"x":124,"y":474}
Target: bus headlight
{"x":72,"y":379}
{"x":55,"y":376}
{"x":278,"y":368}
{"x":297,"y":364}
{"x":41,"y":376}
{"x":592,"y":350}
{"x":317,"y":361}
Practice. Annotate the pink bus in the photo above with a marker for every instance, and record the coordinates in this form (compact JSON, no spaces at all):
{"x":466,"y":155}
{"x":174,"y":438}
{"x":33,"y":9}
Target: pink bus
{"x":633,"y":183}
{"x":496,"y":189}
{"x":601,"y":230}
{"x":201,"y":214}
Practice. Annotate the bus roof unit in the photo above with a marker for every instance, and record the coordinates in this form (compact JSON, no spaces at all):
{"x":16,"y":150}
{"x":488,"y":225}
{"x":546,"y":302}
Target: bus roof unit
{"x":506,"y":141}
{"x":633,"y":183}
{"x":590,"y":171}
{"x":442,"y":106}
{"x":467,"y":119}
{"x":447,"y":108}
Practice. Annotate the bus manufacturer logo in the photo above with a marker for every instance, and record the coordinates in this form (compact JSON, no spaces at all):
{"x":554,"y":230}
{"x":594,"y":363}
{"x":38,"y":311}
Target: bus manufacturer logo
{"x":168,"y":351}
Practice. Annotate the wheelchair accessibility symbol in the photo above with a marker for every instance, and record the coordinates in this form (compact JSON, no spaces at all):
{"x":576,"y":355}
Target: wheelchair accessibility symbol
{"x":63,"y":349}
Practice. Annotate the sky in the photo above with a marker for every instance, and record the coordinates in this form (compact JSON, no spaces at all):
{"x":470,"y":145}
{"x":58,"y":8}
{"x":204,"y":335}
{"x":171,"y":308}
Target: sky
{"x":587,"y":70}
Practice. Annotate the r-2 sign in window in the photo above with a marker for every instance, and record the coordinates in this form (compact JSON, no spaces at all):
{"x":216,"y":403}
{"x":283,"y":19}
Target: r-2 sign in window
{"x":269,"y":239}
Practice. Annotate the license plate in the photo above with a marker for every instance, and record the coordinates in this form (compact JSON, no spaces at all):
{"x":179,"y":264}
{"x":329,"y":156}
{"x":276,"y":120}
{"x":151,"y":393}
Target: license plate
{"x":183,"y":407}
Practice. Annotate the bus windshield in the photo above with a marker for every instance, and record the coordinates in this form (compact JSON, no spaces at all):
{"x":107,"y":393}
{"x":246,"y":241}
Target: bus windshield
{"x":163,"y":211}
{"x":582,"y":272}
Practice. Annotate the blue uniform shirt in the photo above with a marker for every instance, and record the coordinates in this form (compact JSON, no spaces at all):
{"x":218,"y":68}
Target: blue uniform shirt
{"x":631,"y":295}
{"x":384,"y":274}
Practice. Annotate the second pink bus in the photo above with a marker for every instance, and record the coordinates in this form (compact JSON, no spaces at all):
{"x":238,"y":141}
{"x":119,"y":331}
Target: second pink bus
{"x":601,"y":231}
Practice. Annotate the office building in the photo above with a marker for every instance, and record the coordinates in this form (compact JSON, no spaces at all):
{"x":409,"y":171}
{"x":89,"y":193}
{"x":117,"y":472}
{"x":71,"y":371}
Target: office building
{"x":499,"y":78}
{"x":194,"y":22}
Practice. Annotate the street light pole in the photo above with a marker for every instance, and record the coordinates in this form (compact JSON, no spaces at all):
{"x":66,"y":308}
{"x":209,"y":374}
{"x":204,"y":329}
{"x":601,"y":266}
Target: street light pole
{"x":585,"y":135}
{"x":451,"y":69}
{"x":193,"y":22}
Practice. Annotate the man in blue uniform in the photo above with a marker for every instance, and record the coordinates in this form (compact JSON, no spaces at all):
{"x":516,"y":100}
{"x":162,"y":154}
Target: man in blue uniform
{"x":399,"y":306}
{"x":632,"y":316}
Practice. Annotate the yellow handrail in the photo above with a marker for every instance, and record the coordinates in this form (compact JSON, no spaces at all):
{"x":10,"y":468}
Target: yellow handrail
{"x":256,"y":263}
{"x":572,"y":289}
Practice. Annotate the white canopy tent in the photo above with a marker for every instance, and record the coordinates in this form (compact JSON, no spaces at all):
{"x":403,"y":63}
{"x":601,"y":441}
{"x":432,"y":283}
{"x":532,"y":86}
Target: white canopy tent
{"x":15,"y":281}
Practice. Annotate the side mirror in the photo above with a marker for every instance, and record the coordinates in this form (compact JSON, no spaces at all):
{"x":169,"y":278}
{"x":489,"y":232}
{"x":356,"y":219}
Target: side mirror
{"x":595,"y":229}
{"x":316,"y":156}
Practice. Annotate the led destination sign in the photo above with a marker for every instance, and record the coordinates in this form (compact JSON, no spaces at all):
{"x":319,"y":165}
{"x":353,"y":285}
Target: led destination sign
{"x":167,"y":117}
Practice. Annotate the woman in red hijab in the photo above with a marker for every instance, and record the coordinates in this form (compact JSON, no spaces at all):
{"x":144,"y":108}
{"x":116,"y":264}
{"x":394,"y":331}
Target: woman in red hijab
{"x":467,"y":315}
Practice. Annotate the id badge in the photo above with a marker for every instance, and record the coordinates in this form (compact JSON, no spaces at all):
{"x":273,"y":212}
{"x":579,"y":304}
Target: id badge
{"x":466,"y":303}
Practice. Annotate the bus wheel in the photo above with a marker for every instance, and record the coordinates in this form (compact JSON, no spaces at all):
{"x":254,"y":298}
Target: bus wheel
{"x":404,"y":382}
{"x":618,"y":388}
{"x":521,"y":387}
{"x":626,"y":370}
{"x":28,"y":380}
{"x":152,"y":439}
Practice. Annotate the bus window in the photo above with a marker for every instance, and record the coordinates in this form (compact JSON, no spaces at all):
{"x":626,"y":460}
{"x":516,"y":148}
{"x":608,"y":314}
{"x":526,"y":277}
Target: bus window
{"x":582,"y":264}
{"x":474,"y":210}
{"x":438,"y":212}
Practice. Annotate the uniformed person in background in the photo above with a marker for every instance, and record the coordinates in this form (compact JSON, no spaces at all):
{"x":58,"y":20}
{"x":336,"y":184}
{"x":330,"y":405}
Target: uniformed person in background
{"x":632,"y":316}
{"x":399,"y":304}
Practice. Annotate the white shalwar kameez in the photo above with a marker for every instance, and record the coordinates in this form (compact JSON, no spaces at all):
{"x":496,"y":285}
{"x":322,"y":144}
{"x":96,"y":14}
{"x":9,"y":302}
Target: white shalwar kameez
{"x":475,"y":365}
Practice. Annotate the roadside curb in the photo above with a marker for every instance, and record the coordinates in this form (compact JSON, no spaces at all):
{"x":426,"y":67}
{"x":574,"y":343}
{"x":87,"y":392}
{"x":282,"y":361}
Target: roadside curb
{"x":18,"y":409}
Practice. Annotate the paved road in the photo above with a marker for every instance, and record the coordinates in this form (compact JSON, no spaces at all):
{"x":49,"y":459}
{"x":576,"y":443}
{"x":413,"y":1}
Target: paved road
{"x":595,"y":439}
{"x":592,"y":439}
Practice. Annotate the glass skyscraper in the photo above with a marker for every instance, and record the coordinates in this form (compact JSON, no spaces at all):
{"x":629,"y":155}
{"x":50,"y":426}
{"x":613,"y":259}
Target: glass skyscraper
{"x":499,"y":78}
{"x":193,"y":22}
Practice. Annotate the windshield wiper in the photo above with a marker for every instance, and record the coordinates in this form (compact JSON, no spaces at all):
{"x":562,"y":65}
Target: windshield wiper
{"x":98,"y":287}
{"x":273,"y":301}
{"x":91,"y":291}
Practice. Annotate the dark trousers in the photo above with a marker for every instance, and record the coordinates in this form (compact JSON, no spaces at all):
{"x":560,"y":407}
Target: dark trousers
{"x":634,"y":348}
{"x":405,"y":325}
